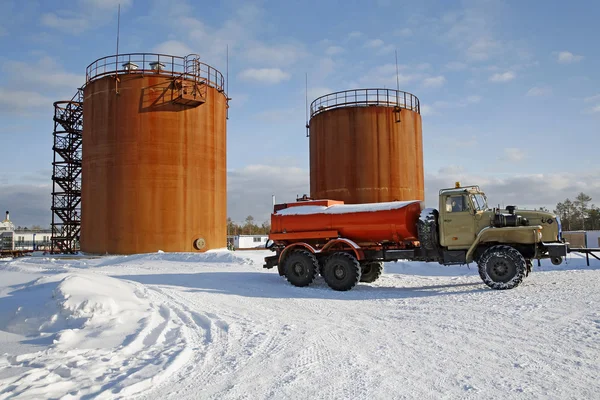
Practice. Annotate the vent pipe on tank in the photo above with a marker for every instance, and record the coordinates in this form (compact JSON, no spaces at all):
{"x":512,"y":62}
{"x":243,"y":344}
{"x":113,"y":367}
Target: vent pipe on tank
{"x":7,"y":216}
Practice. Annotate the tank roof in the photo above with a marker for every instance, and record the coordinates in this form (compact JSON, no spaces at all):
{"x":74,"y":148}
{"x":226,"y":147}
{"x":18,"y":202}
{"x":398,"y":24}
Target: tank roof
{"x":364,"y":98}
{"x":189,"y":68}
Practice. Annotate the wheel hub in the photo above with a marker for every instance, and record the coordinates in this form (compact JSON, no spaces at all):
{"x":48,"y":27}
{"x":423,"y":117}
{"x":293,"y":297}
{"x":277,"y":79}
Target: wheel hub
{"x":500,"y":270}
{"x":339,"y":272}
{"x":298,"y":269}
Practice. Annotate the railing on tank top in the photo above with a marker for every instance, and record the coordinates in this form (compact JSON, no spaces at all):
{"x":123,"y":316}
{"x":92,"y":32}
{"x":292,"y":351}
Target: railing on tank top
{"x":365,"y":97}
{"x":189,"y":67}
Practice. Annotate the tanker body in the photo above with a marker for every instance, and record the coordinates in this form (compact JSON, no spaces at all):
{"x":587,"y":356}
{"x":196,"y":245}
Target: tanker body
{"x":348,"y":243}
{"x":363,"y":224}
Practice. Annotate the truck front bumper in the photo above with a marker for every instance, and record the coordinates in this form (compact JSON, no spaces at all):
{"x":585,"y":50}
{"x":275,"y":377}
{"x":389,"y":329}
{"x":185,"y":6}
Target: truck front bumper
{"x":556,"y":249}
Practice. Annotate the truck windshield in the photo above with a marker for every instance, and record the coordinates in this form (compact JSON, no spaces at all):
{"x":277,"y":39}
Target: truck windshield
{"x":479,"y":202}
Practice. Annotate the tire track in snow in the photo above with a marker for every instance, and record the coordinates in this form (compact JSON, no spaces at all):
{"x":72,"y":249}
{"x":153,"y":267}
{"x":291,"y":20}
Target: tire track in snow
{"x":423,"y":337}
{"x":149,"y":356}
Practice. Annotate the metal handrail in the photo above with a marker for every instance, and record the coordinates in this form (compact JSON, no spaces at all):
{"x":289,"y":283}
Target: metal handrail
{"x":365,"y":97}
{"x":189,"y":68}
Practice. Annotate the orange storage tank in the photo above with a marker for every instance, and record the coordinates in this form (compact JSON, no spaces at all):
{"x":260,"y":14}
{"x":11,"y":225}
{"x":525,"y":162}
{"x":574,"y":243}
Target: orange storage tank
{"x":361,"y":223}
{"x":366,"y":146}
{"x":154,"y":155}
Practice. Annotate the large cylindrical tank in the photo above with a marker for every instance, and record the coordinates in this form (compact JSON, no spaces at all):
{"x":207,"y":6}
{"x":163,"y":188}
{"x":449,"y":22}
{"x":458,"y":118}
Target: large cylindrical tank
{"x":153,"y":160}
{"x":366,"y":146}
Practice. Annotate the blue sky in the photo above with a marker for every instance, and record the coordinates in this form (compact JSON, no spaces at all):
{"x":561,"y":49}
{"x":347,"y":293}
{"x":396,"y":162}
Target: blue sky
{"x":509,"y":90}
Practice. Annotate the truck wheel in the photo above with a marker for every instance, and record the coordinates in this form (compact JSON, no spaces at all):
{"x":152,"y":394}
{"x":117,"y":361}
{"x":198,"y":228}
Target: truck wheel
{"x":371,"y":272}
{"x":502,"y":267}
{"x":341,"y":271}
{"x":427,"y":229}
{"x":300,"y":268}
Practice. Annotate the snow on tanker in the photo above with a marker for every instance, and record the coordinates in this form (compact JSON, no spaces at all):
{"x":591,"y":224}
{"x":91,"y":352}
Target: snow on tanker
{"x":348,"y":243}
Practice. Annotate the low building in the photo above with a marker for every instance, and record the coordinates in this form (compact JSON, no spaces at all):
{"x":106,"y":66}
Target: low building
{"x":578,"y":239}
{"x":247,"y":241}
{"x":23,"y":239}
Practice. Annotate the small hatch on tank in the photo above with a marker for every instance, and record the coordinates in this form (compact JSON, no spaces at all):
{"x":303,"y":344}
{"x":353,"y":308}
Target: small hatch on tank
{"x":130,"y":66}
{"x":157,"y":66}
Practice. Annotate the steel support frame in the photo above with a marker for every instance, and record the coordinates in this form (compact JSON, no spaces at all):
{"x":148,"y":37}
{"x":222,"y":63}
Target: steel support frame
{"x":66,"y":175}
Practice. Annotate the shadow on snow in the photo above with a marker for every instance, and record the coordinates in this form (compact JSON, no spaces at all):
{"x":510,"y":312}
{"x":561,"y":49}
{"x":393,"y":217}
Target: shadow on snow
{"x":256,"y":284}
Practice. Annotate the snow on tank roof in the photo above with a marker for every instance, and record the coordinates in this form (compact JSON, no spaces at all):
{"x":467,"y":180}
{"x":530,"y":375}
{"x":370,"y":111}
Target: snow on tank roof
{"x":345,"y":208}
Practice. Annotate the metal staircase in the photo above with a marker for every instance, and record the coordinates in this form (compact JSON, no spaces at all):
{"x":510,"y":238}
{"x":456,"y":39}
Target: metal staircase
{"x":66,"y":175}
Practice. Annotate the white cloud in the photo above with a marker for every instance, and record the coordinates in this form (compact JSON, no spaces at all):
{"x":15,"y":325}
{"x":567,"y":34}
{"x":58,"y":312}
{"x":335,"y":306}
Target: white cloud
{"x":325,"y":67}
{"x":593,"y":110}
{"x":539,"y":91}
{"x":33,"y":87}
{"x":480,"y":49}
{"x":474,"y":30}
{"x":434,"y":82}
{"x":22,"y":100}
{"x":503,"y":77}
{"x":470,"y":31}
{"x":437,"y":107}
{"x":405,"y":32}
{"x":566,"y":57}
{"x":34,"y":211}
{"x":72,"y":24}
{"x":264,"y":75}
{"x":451,"y":170}
{"x":456,"y":66}
{"x":592,"y":98}
{"x":354,"y":34}
{"x":108,"y":4}
{"x":513,"y":154}
{"x":523,"y":190}
{"x":334,"y":50}
{"x":375,"y":43}
{"x":275,"y":55}
{"x":278,"y":115}
{"x":380,"y":46}
{"x":238,"y":33}
{"x":387,"y":49}
{"x":249,"y":189}
{"x":427,"y":110}
{"x":315,"y":92}
{"x":84,"y":15}
{"x":46,"y":72}
{"x":173,"y":47}
{"x":385,"y":76}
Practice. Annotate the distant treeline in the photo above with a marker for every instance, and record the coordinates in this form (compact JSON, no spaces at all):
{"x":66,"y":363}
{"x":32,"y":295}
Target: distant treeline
{"x":578,"y":214}
{"x":248,"y":228}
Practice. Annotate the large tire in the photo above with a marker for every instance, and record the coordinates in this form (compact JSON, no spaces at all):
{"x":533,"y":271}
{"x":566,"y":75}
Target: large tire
{"x":502,"y":267}
{"x":427,"y":228}
{"x":371,"y":272}
{"x":300,"y":267}
{"x":341,"y":271}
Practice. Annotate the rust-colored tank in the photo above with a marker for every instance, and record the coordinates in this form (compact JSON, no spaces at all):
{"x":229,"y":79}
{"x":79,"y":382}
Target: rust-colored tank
{"x":361,"y":223}
{"x":366,"y":146}
{"x":153,"y":162}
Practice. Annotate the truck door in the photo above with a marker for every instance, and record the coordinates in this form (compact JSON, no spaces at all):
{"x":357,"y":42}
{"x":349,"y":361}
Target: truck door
{"x":457,"y":222}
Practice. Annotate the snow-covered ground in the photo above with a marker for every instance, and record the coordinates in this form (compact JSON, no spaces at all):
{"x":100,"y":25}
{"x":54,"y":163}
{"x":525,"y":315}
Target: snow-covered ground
{"x":218,"y":326}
